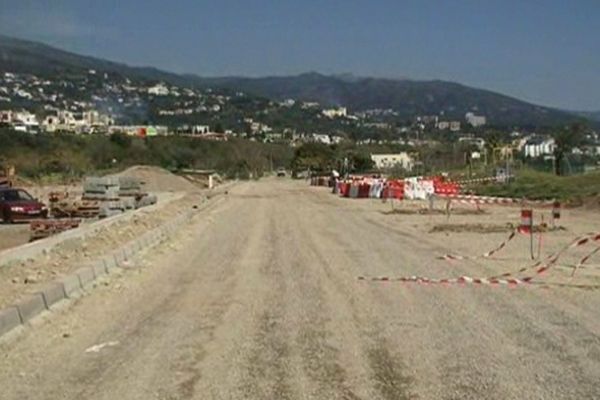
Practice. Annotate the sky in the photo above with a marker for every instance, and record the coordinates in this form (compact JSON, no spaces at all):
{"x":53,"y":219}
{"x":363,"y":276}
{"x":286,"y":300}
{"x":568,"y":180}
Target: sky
{"x":546,"y":52}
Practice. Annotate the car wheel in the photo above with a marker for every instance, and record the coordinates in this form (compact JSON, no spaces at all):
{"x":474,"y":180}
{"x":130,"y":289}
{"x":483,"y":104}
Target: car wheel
{"x":6,"y":218}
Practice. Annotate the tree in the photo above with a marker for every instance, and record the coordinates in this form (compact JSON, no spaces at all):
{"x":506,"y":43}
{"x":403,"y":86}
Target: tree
{"x":564,"y":141}
{"x":219,"y":128}
{"x":313,"y":156}
{"x":360,"y":162}
{"x":121,"y":139}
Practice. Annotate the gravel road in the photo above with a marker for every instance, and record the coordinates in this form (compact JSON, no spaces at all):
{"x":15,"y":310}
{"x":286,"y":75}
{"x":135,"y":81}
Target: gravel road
{"x":13,"y":235}
{"x":258,"y":299}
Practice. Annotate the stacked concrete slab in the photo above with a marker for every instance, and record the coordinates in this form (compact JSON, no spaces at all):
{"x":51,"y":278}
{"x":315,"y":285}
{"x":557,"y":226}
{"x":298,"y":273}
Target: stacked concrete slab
{"x":131,"y":192}
{"x":105,"y":190}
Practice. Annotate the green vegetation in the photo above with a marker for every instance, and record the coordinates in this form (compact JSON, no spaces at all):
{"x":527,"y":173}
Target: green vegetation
{"x":539,"y":185}
{"x":323,"y":158}
{"x":70,"y":156}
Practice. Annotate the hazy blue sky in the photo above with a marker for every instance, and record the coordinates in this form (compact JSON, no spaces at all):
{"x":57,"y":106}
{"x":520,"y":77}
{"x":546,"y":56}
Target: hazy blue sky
{"x":543,"y":51}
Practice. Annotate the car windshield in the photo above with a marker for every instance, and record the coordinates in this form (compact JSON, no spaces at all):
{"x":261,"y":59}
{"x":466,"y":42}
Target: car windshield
{"x":17,"y":195}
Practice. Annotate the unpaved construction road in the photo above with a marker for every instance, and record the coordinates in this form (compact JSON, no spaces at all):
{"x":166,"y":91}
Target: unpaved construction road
{"x":258,"y":299}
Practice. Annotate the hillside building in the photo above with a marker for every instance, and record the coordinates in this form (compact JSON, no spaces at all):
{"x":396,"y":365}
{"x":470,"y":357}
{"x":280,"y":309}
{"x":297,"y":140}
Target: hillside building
{"x":335,"y":112}
{"x":537,"y":146}
{"x":388,"y":161}
{"x":475,"y":120}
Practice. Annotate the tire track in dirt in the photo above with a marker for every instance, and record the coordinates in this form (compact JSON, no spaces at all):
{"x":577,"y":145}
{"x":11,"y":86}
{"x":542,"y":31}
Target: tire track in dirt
{"x":267,"y":365}
{"x":388,"y":373}
{"x":137,"y":335}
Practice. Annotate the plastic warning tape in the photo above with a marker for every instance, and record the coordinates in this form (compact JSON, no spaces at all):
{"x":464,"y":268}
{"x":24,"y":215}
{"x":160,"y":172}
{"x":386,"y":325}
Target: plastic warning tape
{"x":481,"y":180}
{"x":473,"y":199}
{"x":584,"y":260}
{"x":450,"y":257}
{"x":542,"y":266}
{"x":507,"y":278}
{"x":461,"y":279}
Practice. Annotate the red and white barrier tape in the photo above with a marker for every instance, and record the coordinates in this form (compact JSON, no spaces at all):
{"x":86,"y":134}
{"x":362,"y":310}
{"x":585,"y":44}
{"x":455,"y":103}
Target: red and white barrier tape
{"x":480,"y":180}
{"x":507,"y":278}
{"x":484,"y":255}
{"x":472,"y":199}
{"x":584,"y":260}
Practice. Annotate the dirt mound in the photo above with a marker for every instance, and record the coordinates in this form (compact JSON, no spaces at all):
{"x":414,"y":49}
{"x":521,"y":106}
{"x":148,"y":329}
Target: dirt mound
{"x":158,"y":179}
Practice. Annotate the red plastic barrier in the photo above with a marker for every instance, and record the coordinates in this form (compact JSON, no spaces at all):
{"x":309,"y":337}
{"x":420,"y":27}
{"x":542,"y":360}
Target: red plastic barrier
{"x":344,"y":189}
{"x":363,"y":190}
{"x":394,"y":190}
{"x":441,"y":186}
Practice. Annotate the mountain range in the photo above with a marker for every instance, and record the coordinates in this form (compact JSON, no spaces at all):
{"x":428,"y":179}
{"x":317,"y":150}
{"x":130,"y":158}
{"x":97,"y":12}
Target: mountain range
{"x":406,"y":97}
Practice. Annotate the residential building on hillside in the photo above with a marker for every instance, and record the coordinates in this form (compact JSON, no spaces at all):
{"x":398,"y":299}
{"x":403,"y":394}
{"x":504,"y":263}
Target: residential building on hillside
{"x":475,"y":120}
{"x":6,"y":116}
{"x":443,"y":125}
{"x":537,"y":146}
{"x":335,"y":112}
{"x":427,"y":119}
{"x":26,"y":118}
{"x":159,"y":90}
{"x":454,"y":126}
{"x":200,"y":129}
{"x":387,"y":161}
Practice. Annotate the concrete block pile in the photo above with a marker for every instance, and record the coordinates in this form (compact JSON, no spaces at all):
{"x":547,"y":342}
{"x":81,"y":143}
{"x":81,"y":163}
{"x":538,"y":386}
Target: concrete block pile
{"x":131,"y":192}
{"x":104,"y":190}
{"x":116,"y":194}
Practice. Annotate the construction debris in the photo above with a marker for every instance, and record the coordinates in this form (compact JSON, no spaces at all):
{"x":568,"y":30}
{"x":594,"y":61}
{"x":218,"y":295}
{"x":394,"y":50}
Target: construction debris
{"x":63,"y":206}
{"x":43,"y":228}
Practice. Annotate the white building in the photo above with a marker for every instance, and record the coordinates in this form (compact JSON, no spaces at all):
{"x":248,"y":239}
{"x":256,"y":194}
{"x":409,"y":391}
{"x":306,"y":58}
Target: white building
{"x":26,"y":118}
{"x":200,"y":129}
{"x":321,"y":138}
{"x":443,"y":125}
{"x":475,"y":141}
{"x":539,"y":146}
{"x":387,"y":161}
{"x":475,"y":120}
{"x":335,"y":112}
{"x":50,"y":123}
{"x":159,"y":90}
{"x":6,"y":116}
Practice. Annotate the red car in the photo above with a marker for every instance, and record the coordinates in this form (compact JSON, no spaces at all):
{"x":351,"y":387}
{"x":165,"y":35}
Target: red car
{"x":18,"y":205}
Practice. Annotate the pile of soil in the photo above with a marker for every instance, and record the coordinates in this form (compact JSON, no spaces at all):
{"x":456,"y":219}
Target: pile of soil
{"x":158,"y":179}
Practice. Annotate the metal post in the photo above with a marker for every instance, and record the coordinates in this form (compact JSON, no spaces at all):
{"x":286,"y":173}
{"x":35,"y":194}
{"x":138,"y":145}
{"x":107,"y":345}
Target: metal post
{"x":531,"y":236}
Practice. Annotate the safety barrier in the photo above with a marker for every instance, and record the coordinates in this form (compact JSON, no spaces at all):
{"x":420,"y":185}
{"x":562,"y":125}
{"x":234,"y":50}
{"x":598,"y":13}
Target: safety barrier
{"x":507,"y":278}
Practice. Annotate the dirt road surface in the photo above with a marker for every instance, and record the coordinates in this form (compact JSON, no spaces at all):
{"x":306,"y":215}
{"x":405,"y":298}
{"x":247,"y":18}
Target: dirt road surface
{"x":13,"y":235}
{"x":258,"y":299}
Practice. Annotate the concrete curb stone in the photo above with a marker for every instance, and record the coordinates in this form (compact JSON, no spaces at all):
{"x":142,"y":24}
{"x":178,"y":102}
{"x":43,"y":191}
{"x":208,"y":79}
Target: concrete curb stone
{"x":30,"y":307}
{"x":9,"y":319}
{"x":71,"y":284}
{"x":109,"y":263}
{"x":67,"y":286}
{"x":86,"y":276}
{"x":53,"y":293}
{"x":99,"y":269}
{"x":118,"y":256}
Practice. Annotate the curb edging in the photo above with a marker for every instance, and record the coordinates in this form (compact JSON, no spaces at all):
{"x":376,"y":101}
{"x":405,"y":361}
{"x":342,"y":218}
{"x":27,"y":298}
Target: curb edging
{"x":69,"y":286}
